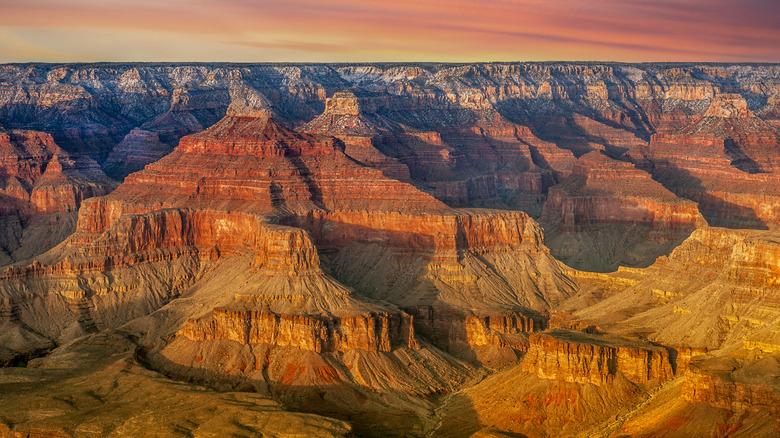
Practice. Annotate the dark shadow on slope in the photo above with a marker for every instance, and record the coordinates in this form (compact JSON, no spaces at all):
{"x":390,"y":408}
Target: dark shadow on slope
{"x":718,"y":212}
{"x":607,"y":246}
{"x":458,"y":418}
{"x":371,"y":412}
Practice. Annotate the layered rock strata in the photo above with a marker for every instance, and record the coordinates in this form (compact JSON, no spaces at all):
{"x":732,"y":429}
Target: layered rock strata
{"x":718,"y":290}
{"x":371,"y":332}
{"x":608,"y":213}
{"x":602,"y":190}
{"x":41,"y":188}
{"x":243,"y":204}
{"x":723,"y":383}
{"x":726,"y":161}
{"x":575,"y":356}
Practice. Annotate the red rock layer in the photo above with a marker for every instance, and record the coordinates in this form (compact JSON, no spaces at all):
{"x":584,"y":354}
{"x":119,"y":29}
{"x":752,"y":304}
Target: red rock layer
{"x":602,"y":190}
{"x":479,"y":231}
{"x":497,"y":339}
{"x":345,"y":118}
{"x":255,"y":164}
{"x":320,"y":334}
{"x":733,"y":388}
{"x":752,"y":144}
{"x":37,"y":177}
{"x":726,"y":161}
{"x":574,"y":356}
{"x":167,"y":234}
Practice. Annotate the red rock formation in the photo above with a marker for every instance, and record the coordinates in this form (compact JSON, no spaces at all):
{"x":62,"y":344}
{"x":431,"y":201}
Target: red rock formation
{"x":574,"y":356}
{"x":495,"y":340}
{"x":752,"y":144}
{"x":39,"y":178}
{"x":345,"y":118}
{"x":771,"y":111}
{"x":41,"y":187}
{"x":728,"y":144}
{"x":723,"y":383}
{"x":602,"y":190}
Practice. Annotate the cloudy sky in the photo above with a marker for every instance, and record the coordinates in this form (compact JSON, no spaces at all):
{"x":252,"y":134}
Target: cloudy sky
{"x":389,"y":30}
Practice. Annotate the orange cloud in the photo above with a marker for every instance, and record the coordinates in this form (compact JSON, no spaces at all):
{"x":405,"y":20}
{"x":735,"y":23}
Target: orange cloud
{"x":402,"y":30}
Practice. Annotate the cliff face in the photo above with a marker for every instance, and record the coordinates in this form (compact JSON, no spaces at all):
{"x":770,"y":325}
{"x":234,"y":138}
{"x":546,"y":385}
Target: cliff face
{"x":136,"y":150}
{"x":371,"y":332}
{"x":574,"y":356}
{"x":726,"y":161}
{"x":609,"y":213}
{"x":723,"y":383}
{"x":355,"y":122}
{"x":40,"y":178}
{"x":602,"y":190}
{"x":41,"y":188}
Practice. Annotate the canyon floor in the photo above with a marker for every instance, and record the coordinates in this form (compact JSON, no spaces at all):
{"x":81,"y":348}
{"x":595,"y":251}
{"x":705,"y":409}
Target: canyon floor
{"x":425,"y":250}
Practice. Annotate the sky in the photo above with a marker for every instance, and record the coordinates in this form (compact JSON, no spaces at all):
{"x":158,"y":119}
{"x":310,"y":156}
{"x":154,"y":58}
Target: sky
{"x":389,"y":30}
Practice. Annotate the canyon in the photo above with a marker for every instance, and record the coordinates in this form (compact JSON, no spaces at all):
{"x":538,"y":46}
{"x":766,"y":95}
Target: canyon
{"x":543,"y":249}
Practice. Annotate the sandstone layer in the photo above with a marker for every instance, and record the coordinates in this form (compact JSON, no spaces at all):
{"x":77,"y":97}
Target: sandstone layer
{"x":579,"y":357}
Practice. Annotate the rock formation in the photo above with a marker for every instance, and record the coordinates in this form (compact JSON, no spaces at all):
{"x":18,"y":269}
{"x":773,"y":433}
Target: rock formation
{"x":579,"y":357}
{"x":243,"y":204}
{"x":717,"y":290}
{"x":610,"y":202}
{"x":42,"y":188}
{"x":726,"y":161}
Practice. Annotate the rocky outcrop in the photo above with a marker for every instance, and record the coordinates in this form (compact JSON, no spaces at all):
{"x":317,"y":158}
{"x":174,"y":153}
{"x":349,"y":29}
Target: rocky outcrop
{"x":435,"y":258}
{"x":608,"y":213}
{"x":258,"y":165}
{"x":320,"y":334}
{"x":726,"y":161}
{"x":602,"y":190}
{"x":494,"y":340}
{"x":136,"y":150}
{"x":360,"y":128}
{"x":41,"y":188}
{"x":40,"y":178}
{"x":434,"y":265}
{"x":574,"y":356}
{"x":723,"y":383}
